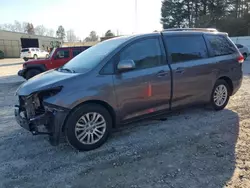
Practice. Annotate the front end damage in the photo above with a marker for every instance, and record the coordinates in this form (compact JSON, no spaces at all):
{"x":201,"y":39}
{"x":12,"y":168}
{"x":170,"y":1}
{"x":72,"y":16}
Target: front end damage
{"x":39,"y":117}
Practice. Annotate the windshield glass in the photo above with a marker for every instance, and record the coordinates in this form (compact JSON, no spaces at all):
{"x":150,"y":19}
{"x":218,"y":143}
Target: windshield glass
{"x":91,"y":57}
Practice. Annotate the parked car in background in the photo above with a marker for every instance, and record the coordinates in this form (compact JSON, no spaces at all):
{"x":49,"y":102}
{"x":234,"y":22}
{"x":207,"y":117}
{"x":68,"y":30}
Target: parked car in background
{"x":129,"y":78}
{"x":57,"y":58}
{"x":33,"y":53}
{"x":243,"y":50}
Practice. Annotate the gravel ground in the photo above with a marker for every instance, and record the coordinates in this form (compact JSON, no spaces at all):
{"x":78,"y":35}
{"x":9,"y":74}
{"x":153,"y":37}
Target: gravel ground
{"x":194,"y":147}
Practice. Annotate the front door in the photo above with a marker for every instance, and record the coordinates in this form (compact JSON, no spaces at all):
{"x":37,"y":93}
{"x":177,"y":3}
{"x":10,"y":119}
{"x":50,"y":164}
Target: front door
{"x":60,"y":57}
{"x":147,"y":88}
{"x":192,"y":69}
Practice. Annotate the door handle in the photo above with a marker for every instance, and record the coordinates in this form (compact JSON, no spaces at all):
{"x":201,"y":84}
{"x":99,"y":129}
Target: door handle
{"x":180,"y":70}
{"x":162,"y":73}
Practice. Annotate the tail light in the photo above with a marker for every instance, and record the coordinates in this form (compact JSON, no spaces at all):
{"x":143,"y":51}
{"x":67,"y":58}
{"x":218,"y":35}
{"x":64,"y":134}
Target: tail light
{"x":29,"y":52}
{"x":241,"y":59}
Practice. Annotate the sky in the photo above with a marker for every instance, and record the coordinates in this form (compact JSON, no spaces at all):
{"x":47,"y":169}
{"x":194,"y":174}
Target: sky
{"x":84,"y":16}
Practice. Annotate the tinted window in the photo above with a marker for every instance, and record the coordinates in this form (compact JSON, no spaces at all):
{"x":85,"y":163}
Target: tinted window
{"x":37,"y":50}
{"x":60,"y":54}
{"x":76,"y":52}
{"x":32,"y":49}
{"x":145,"y":53}
{"x":25,"y":50}
{"x":186,"y":48}
{"x":220,"y":45}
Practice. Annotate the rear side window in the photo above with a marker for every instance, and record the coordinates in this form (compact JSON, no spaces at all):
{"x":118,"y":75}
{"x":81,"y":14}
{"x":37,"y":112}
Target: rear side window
{"x":76,"y":52}
{"x":220,"y":45}
{"x":32,"y":49}
{"x":145,"y":53}
{"x":25,"y":50}
{"x":60,"y":54}
{"x":186,"y":48}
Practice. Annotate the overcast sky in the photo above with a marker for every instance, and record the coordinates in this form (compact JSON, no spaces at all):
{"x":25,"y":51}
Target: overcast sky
{"x":85,"y":15}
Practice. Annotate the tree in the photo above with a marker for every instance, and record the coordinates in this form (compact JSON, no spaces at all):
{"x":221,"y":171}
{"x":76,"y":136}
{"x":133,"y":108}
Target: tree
{"x":109,"y":33}
{"x":50,"y":32}
{"x":18,"y":26}
{"x":93,"y":37}
{"x":231,"y":16}
{"x":30,"y":29}
{"x":71,"y":37}
{"x":40,"y":30}
{"x":60,"y":33}
{"x":173,"y":14}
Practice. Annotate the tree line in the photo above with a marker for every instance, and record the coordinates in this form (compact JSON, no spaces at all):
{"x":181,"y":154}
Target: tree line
{"x":232,"y":16}
{"x":61,"y":33}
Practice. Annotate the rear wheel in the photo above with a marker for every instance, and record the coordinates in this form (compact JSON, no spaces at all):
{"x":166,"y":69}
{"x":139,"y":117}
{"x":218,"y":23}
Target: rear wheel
{"x":25,"y":59}
{"x":31,"y":73}
{"x":88,"y":127}
{"x":220,"y":95}
{"x":35,"y":56}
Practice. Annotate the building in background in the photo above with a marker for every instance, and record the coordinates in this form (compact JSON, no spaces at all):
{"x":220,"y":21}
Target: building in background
{"x":72,"y":44}
{"x":11,"y":43}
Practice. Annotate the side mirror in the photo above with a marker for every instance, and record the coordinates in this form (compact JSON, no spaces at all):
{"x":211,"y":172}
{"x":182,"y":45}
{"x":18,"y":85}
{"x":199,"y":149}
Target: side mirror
{"x":126,"y":65}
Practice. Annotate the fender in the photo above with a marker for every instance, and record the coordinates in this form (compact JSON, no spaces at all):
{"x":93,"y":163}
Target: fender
{"x":40,"y":67}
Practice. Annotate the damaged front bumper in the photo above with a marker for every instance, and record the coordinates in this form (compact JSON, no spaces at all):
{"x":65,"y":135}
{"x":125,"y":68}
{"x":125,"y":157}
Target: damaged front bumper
{"x":50,"y":122}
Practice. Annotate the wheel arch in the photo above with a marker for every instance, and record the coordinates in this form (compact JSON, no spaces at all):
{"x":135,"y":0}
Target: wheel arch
{"x":229,"y":82}
{"x":99,"y":102}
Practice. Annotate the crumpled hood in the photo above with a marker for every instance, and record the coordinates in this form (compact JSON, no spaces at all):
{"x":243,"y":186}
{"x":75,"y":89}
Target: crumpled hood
{"x":44,"y":81}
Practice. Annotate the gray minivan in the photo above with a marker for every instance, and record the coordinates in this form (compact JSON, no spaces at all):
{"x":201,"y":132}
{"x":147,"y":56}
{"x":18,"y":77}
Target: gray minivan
{"x":129,"y":78}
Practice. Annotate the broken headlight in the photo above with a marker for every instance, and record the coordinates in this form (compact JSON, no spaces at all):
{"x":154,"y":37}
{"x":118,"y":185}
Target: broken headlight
{"x":49,"y":92}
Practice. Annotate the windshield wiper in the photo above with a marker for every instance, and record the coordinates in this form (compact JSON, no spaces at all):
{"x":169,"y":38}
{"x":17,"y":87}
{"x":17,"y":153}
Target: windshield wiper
{"x":66,"y":69}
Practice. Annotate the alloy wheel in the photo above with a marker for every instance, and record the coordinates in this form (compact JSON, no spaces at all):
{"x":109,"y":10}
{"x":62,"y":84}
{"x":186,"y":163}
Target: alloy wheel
{"x":90,"y":128}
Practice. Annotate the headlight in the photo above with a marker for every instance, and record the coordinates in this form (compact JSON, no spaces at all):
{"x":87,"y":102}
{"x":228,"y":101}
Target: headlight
{"x":49,"y":92}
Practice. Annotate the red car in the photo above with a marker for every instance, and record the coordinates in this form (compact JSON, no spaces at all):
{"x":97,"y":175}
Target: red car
{"x":57,"y":58}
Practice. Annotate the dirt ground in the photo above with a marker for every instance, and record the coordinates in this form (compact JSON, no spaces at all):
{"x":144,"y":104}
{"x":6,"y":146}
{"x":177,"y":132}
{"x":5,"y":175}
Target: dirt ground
{"x":193,"y":148}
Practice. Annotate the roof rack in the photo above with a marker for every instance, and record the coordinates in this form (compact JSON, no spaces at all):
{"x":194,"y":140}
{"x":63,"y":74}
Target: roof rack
{"x":192,"y":29}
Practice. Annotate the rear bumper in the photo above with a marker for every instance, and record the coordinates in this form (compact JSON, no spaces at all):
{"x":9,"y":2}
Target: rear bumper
{"x":49,"y":123}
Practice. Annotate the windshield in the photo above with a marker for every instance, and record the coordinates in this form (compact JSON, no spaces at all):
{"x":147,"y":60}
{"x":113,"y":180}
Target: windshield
{"x":91,"y":57}
{"x":51,"y":53}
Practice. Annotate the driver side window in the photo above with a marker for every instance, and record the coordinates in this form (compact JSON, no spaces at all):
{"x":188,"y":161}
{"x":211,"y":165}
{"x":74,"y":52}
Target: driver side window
{"x":61,"y":54}
{"x":145,"y":53}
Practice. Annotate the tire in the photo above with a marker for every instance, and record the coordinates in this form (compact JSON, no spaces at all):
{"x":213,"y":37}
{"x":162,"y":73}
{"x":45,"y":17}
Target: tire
{"x":35,"y":56}
{"x":25,"y":59}
{"x":47,"y":56}
{"x":220,"y":86}
{"x":31,"y":73}
{"x":78,"y":139}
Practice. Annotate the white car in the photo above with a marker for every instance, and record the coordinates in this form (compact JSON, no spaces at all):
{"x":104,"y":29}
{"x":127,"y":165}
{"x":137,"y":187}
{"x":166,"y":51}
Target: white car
{"x":33,"y":53}
{"x":243,"y":50}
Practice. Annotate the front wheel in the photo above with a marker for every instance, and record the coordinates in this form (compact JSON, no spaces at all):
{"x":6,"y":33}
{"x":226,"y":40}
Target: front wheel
{"x":88,"y":127}
{"x":220,"y":95}
{"x":35,"y":56}
{"x":31,"y":73}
